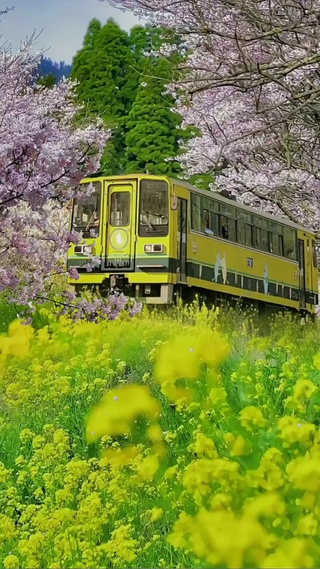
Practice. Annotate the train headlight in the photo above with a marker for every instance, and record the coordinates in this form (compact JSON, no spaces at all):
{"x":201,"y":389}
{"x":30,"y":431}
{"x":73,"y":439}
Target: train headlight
{"x":158,"y":248}
{"x":87,"y":249}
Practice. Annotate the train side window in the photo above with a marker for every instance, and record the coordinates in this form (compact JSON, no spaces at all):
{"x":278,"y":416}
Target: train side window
{"x":232,"y":228}
{"x":290,"y":245}
{"x":257,"y":237}
{"x":207,"y":223}
{"x":224,"y":227}
{"x":281,"y":247}
{"x":264,"y":240}
{"x":229,"y":213}
{"x":314,"y":255}
{"x":257,"y":232}
{"x":275,"y":238}
{"x":248,"y":234}
{"x":228,"y":224}
{"x":211,"y":207}
{"x":262,"y":224}
{"x":244,"y":228}
{"x":196,"y":212}
{"x":211,"y":204}
{"x":241,"y":237}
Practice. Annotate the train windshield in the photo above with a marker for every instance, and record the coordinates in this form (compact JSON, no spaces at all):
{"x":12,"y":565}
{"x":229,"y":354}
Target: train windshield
{"x":153,"y":207}
{"x":86,"y":213}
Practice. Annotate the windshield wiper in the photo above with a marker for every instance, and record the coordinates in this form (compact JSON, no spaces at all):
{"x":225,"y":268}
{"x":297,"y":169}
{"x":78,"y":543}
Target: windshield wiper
{"x":90,"y":220}
{"x":145,"y":219}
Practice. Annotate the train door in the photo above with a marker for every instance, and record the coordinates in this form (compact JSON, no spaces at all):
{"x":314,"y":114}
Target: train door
{"x":302,"y":274}
{"x":309,"y":269}
{"x":182,"y":240}
{"x":120,"y":226}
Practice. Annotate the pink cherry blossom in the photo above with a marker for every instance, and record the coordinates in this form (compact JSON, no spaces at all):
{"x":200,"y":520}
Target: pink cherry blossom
{"x":251,"y":84}
{"x":44,"y":153}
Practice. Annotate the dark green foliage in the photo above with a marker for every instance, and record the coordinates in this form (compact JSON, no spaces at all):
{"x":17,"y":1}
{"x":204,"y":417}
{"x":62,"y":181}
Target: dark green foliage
{"x":47,"y":81}
{"x":105,"y":70}
{"x":123,"y":81}
{"x":154,"y":127}
{"x":81,"y":67}
{"x":155,"y":137}
{"x":202,"y":181}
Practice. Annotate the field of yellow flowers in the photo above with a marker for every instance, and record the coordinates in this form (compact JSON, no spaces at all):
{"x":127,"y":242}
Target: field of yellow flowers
{"x":182,"y":441}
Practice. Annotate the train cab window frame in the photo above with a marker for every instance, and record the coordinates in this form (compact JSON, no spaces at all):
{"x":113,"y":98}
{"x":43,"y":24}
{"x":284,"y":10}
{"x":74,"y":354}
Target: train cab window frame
{"x":86,"y":212}
{"x":149,"y":225}
{"x":120,"y":203}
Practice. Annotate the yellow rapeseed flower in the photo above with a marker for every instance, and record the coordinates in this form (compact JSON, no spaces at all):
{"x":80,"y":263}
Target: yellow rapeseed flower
{"x":268,"y":505}
{"x":148,"y":467}
{"x":252,"y":416}
{"x":304,"y":388}
{"x":155,"y":514}
{"x":295,"y":552}
{"x":221,"y":538}
{"x":119,"y":408}
{"x":240,"y":446}
{"x":204,"y":446}
{"x":17,"y":341}
{"x":307,"y":525}
{"x":121,"y":457}
{"x":11,"y":562}
{"x":184,"y":354}
{"x":304,"y":474}
{"x":292,"y":431}
{"x":155,"y":433}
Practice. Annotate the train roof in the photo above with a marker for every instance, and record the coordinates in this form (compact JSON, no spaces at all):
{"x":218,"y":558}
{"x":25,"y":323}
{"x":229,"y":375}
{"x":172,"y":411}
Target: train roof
{"x":239,"y":205}
{"x":217,"y":195}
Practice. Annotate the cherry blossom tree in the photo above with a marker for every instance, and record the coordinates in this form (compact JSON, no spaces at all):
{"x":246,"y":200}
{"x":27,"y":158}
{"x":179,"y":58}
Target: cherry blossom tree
{"x":252,"y":85}
{"x":44,"y":153}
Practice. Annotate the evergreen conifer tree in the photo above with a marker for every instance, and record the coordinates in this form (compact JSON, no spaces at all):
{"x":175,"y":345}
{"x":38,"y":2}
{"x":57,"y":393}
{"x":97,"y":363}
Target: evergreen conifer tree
{"x":154,"y":138}
{"x":82,"y":62}
{"x":105,"y":70}
{"x":123,"y":82}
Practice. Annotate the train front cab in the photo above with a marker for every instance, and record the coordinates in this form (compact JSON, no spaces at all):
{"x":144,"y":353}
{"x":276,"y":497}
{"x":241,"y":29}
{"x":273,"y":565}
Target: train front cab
{"x":130,"y":235}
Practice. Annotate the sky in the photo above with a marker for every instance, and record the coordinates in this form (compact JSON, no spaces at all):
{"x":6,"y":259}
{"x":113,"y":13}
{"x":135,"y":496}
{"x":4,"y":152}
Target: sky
{"x":64,"y":23}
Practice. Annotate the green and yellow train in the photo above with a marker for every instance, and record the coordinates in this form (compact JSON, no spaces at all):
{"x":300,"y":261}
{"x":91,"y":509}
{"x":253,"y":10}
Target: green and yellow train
{"x":160,"y":238}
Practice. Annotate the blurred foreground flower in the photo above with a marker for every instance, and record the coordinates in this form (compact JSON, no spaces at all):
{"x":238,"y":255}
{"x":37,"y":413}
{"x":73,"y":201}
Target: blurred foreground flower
{"x":118,"y":409}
